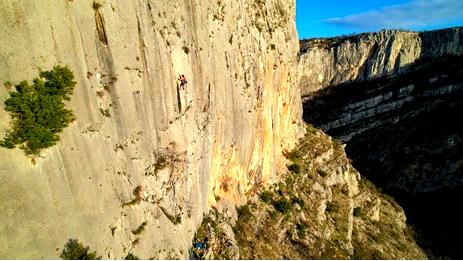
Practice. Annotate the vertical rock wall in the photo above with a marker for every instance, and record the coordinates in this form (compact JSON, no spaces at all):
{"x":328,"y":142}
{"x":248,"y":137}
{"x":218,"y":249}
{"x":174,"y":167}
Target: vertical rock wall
{"x":143,"y":150}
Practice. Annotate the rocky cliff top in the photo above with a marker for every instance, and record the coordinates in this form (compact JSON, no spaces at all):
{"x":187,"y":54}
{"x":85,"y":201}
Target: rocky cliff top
{"x":333,"y":42}
{"x":437,"y":36}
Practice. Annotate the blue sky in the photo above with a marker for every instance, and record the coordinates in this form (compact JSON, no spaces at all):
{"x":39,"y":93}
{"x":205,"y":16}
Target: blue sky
{"x":324,"y":18}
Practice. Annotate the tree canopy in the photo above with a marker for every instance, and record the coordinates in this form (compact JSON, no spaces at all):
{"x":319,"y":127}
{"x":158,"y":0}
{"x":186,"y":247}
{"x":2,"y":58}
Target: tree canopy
{"x":38,"y":111}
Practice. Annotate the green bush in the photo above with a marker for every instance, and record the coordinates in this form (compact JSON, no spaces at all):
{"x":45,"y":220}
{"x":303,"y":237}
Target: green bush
{"x":266,"y":196}
{"x":38,"y":111}
{"x":244,"y":212}
{"x":357,"y":212}
{"x":73,"y":250}
{"x":295,"y":168}
{"x":131,"y":256}
{"x":301,"y":229}
{"x":283,"y":206}
{"x":296,"y":200}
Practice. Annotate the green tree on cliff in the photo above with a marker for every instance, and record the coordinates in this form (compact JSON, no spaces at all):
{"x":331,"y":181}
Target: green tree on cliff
{"x":38,"y":111}
{"x":74,"y":250}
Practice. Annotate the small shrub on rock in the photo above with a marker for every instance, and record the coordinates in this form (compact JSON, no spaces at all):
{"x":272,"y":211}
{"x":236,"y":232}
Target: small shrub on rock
{"x":283,"y":206}
{"x":266,"y":196}
{"x":131,"y":256}
{"x":295,"y":168}
{"x":73,"y":250}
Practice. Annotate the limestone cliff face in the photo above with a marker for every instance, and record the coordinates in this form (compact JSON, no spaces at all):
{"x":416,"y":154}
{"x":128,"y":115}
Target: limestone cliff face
{"x":143,"y":149}
{"x":333,"y":61}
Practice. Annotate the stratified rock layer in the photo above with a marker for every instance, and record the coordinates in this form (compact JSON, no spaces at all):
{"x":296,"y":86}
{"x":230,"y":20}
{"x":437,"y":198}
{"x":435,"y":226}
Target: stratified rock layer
{"x":143,"y":149}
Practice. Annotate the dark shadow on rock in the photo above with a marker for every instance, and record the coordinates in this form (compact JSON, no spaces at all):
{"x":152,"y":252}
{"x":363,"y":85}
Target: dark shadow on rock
{"x":405,"y":133}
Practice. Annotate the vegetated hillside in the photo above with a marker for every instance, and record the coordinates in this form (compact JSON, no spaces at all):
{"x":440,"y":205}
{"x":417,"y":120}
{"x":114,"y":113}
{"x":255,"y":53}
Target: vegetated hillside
{"x":403,"y":132}
{"x":329,"y":62}
{"x":323,"y":209}
{"x":142,"y":148}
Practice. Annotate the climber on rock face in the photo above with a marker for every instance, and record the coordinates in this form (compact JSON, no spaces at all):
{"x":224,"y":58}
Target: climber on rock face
{"x":182,"y":80}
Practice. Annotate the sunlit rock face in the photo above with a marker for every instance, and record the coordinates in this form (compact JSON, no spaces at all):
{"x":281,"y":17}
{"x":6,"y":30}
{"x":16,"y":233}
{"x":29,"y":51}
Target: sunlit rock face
{"x":143,"y":149}
{"x":334,"y":61}
{"x":400,"y":123}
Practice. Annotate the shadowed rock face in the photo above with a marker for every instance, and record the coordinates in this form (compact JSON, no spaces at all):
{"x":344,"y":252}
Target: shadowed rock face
{"x":403,"y":131}
{"x":142,"y":149}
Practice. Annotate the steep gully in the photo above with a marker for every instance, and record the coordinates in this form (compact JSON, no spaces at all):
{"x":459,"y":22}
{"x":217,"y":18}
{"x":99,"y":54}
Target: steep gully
{"x":404,"y":132}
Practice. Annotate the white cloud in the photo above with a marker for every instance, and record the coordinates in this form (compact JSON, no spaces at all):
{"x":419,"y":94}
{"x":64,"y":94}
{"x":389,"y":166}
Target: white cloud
{"x":413,"y":14}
